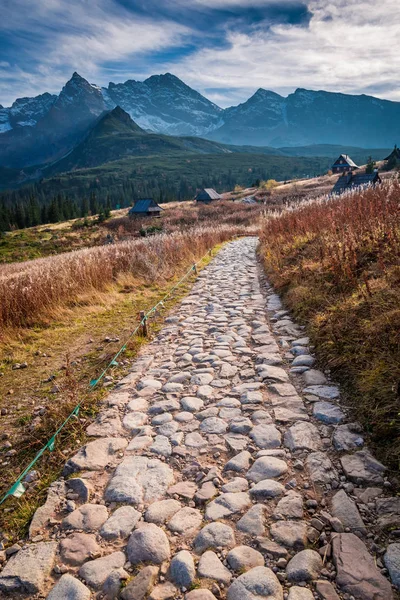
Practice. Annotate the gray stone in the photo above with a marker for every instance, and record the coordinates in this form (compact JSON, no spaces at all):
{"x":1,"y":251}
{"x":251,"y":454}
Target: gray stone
{"x":238,"y":463}
{"x":253,"y":520}
{"x":149,"y":382}
{"x":267,"y":488}
{"x":299,"y":593}
{"x":78,"y":548}
{"x":138,"y":405}
{"x":171,"y":388}
{"x":292,"y":534}
{"x":182,"y":569}
{"x":162,"y":511}
{"x":388,"y":510}
{"x":290,"y":506}
{"x":201,"y":379}
{"x":213,"y":425}
{"x":266,"y":467}
{"x":192,"y":404}
{"x":95,"y":572}
{"x":303,"y":361}
{"x":69,"y":588}
{"x":328,"y":392}
{"x":148,"y":543}
{"x":141,"y":585}
{"x":283,"y":389}
{"x":95,"y":456}
{"x":207,"y":492}
{"x":302,"y":436}
{"x":215,"y":535}
{"x":195,"y":440}
{"x":243,"y":558}
{"x":163,"y":406}
{"x":326,"y":590}
{"x":328,"y":413}
{"x":304,"y":566}
{"x":362,"y":466}
{"x":314,"y":377}
{"x":211,"y":567}
{"x":261,"y":417}
{"x":161,"y":446}
{"x":87,"y":517}
{"x":139,"y":479}
{"x":250,"y":397}
{"x":200,"y":594}
{"x":185,"y":489}
{"x":271,"y":548}
{"x":186,"y":521}
{"x":139,"y":443}
{"x":236,"y":442}
{"x":107,"y":423}
{"x":133,"y":421}
{"x":392,"y":563}
{"x":227,"y":504}
{"x":237,"y":484}
{"x":162,"y":419}
{"x":27,"y":570}
{"x":345,"y":438}
{"x":274,"y":374}
{"x":113,"y":583}
{"x":357,"y":573}
{"x":266,"y":436}
{"x":257,"y":584}
{"x":82,"y":487}
{"x":240,"y":425}
{"x":163,"y":591}
{"x":55,"y":497}
{"x":345,"y":509}
{"x":320,"y":468}
{"x":184,"y":417}
{"x":120,"y":524}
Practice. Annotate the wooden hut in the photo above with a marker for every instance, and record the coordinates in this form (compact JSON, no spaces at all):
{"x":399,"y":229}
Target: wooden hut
{"x":207,"y":195}
{"x":343,"y":164}
{"x":146,"y":207}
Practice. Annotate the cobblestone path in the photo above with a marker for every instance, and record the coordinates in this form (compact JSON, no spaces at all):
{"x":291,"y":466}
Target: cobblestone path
{"x":221,"y":466}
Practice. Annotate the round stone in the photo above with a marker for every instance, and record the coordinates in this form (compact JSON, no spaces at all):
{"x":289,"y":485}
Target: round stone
{"x":304,"y":566}
{"x":244,"y":558}
{"x":257,"y":584}
{"x":148,"y":543}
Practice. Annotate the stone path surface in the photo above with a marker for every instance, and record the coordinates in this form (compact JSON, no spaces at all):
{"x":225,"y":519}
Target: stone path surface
{"x":222,"y":466}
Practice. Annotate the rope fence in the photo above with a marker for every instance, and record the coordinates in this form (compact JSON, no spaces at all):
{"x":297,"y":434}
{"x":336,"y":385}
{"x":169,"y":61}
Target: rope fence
{"x":18,"y":489}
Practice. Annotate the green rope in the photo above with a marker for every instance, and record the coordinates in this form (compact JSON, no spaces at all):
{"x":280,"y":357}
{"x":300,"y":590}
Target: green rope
{"x":17,"y":489}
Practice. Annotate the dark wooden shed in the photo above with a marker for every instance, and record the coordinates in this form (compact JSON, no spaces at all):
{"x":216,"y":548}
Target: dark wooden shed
{"x":350,"y":181}
{"x":207,"y":195}
{"x":146,"y":207}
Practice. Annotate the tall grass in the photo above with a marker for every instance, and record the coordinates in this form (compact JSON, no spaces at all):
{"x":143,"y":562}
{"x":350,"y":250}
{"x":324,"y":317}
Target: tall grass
{"x":28,"y":291}
{"x":337,"y":263}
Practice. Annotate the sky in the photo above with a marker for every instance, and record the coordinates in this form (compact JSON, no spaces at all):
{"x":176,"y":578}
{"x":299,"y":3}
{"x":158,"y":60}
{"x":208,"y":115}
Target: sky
{"x":226,"y":49}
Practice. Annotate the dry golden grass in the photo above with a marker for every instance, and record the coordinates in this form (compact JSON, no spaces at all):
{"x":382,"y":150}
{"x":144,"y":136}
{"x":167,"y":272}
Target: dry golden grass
{"x":337,"y":263}
{"x":29,"y":290}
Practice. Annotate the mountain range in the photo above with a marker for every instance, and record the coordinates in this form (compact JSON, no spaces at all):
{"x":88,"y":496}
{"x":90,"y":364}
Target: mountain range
{"x":47,"y":128}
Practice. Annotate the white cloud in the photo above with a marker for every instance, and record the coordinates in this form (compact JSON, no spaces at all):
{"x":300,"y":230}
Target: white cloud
{"x":348,"y":46}
{"x":62,"y":36}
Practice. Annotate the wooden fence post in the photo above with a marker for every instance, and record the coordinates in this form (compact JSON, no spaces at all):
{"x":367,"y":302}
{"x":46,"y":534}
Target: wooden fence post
{"x":144,"y":325}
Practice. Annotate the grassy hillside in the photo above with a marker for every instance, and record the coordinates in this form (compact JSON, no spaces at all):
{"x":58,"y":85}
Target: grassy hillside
{"x":176,"y":176}
{"x":337,"y":264}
